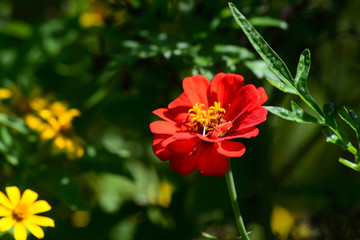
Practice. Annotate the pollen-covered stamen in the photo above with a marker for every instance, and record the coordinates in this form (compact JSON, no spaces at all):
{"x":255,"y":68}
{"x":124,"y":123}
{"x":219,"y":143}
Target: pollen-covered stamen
{"x":204,"y":121}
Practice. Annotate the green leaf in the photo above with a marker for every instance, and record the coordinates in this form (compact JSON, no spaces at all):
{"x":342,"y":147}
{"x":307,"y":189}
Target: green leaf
{"x":14,"y":123}
{"x":332,"y":124}
{"x":281,"y":86}
{"x":302,"y":73}
{"x":209,"y":236}
{"x":268,"y":22}
{"x":301,"y":114}
{"x":350,"y":117}
{"x":333,"y":138}
{"x":271,"y":58}
{"x":329,"y":115}
{"x":297,"y":114}
{"x":350,"y":164}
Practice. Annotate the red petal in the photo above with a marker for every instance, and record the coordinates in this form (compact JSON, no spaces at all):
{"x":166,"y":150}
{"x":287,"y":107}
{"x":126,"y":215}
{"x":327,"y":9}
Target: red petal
{"x":158,"y":149}
{"x":231,"y":149}
{"x":211,"y":163}
{"x":184,"y":135}
{"x":183,"y":163}
{"x":164,"y":114}
{"x":163,"y":127}
{"x":196,"y":88}
{"x":224,"y":88}
{"x":250,"y":119}
{"x":243,"y":133}
{"x":181,"y":101}
{"x":261,"y":99}
{"x":243,"y":100}
{"x":180,"y":146}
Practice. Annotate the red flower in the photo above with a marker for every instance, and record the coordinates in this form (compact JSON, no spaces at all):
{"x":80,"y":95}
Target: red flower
{"x":197,"y":126}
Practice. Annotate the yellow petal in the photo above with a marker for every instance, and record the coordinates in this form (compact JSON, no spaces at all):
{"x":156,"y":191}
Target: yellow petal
{"x":281,"y":221}
{"x":13,"y":194}
{"x":20,"y":232}
{"x":79,"y":152}
{"x":5,"y":93}
{"x":45,"y":114}
{"x":38,"y":103}
{"x":6,"y":223}
{"x":58,"y":108}
{"x":5,"y":201}
{"x":70,"y":148}
{"x":39,"y":207}
{"x":34,"y":229}
{"x":165,"y":192}
{"x":67,"y":117}
{"x":91,"y":20}
{"x":59,"y":142}
{"x":41,"y":221}
{"x":34,"y":122}
{"x":29,"y":197}
{"x":48,"y":133}
{"x":4,"y":211}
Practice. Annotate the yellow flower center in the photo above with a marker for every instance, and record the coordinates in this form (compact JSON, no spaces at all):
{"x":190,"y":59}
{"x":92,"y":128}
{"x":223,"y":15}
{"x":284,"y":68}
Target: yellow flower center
{"x":204,"y":121}
{"x":67,"y":129}
{"x":20,"y":212}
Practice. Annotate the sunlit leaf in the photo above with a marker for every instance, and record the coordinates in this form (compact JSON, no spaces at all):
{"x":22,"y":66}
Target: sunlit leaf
{"x":14,"y":123}
{"x":301,"y":114}
{"x":209,"y":236}
{"x":302,"y":73}
{"x":281,"y":86}
{"x":268,"y":22}
{"x":297,"y":114}
{"x":271,"y":58}
{"x":333,"y":138}
{"x":350,"y":117}
{"x":350,"y":164}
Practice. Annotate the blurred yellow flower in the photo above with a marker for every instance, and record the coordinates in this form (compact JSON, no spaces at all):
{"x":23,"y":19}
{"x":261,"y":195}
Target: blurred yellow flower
{"x":80,"y":218}
{"x":281,"y":222}
{"x":19,"y":212}
{"x":5,"y":93}
{"x":91,"y":19}
{"x":55,"y":123}
{"x":162,"y":196}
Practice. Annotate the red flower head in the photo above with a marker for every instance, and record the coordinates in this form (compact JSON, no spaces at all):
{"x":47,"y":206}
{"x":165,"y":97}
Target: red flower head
{"x":197,"y":126}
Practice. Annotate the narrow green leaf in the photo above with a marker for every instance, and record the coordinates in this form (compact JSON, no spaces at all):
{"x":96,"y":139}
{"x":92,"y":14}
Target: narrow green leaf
{"x":303,"y":69}
{"x":301,"y":114}
{"x":281,"y":86}
{"x":302,"y":73}
{"x":350,"y":164}
{"x":268,"y":22}
{"x":329,"y":115}
{"x":271,"y":58}
{"x":14,"y":123}
{"x":351,"y":119}
{"x":297,"y":115}
{"x":209,"y":236}
{"x":333,"y":138}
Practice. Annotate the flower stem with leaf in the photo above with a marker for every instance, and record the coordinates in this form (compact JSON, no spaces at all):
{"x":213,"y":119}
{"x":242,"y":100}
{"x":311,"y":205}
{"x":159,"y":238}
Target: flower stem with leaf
{"x":298,"y":86}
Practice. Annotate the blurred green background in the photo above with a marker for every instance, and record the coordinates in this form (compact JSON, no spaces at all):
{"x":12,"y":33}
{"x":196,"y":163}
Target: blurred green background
{"x":118,"y":60}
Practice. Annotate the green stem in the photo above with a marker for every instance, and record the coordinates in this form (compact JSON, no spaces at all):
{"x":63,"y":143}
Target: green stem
{"x":233,"y":198}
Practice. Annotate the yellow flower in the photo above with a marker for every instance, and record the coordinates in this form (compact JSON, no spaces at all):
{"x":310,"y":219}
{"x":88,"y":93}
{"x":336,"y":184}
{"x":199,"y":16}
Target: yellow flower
{"x":55,"y":123}
{"x":162,"y":196}
{"x":91,"y":19}
{"x":282,"y":222}
{"x":19,"y":212}
{"x":5,"y":93}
